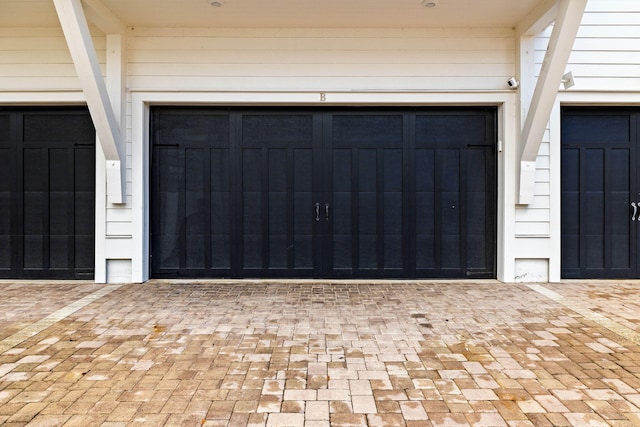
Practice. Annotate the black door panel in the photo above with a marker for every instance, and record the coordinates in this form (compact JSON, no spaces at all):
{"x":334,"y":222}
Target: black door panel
{"x":277,"y":192}
{"x":454,"y":194}
{"x":365,"y":153}
{"x":192,"y":177}
{"x":317,"y":193}
{"x":599,"y":186}
{"x":47,"y":193}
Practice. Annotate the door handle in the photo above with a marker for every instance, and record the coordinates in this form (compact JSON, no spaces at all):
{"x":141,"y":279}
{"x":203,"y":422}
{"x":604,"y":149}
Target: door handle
{"x":317,"y":212}
{"x":635,"y":210}
{"x":326,"y":211}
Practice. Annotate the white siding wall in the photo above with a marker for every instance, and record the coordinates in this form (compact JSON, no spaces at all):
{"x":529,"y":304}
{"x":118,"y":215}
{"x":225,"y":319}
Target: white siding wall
{"x":319,"y":60}
{"x":533,"y":219}
{"x":38,"y":59}
{"x":606,"y":53}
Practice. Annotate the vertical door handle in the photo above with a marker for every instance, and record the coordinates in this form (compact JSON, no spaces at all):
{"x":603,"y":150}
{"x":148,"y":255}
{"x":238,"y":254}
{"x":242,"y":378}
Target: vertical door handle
{"x":317,"y":212}
{"x":326,"y":211}
{"x":635,"y":210}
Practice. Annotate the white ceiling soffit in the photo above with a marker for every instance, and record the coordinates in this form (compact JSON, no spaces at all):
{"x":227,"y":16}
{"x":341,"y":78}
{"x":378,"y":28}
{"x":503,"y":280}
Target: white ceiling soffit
{"x":288,"y":13}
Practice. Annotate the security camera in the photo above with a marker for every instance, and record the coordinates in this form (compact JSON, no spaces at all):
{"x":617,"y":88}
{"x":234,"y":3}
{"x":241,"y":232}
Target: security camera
{"x":513,"y":83}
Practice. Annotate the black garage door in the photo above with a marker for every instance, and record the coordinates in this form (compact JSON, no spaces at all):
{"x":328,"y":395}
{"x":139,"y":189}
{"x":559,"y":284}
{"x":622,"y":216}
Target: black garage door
{"x":600,"y":193}
{"x":361,"y":193}
{"x":47,"y":180}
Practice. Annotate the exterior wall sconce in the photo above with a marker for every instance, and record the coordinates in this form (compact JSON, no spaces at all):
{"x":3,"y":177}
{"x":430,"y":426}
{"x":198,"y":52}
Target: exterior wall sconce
{"x":567,"y":80}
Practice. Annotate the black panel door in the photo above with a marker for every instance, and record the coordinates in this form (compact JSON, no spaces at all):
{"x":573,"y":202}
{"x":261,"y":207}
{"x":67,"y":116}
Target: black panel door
{"x":363,"y":204}
{"x":315,"y":193}
{"x":454,"y":190}
{"x":47,"y":193}
{"x":600,"y":194}
{"x":233,"y":193}
{"x":278,"y":186}
{"x":193,"y":213}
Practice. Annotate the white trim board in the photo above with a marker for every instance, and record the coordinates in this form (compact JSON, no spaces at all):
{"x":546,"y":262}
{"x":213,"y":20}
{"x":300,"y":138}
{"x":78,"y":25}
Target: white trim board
{"x":46,"y":98}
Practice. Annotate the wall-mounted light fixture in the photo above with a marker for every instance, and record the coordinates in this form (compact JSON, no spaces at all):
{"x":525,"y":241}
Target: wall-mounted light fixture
{"x":217,"y":3}
{"x":567,"y":80}
{"x":429,"y":3}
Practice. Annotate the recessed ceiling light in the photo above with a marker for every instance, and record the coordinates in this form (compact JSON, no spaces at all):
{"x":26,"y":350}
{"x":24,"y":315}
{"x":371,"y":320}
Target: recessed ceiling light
{"x":427,"y":3}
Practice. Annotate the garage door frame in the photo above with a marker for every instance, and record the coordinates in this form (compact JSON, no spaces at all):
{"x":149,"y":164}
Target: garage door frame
{"x":505,"y":101}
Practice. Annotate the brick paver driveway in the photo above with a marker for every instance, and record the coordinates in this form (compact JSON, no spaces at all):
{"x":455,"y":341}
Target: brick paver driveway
{"x":320,"y":354}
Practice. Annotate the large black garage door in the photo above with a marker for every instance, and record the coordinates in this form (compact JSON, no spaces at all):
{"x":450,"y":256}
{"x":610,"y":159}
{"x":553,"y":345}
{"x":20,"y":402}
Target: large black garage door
{"x":600,"y":193}
{"x":316,"y":193}
{"x":47,"y":181}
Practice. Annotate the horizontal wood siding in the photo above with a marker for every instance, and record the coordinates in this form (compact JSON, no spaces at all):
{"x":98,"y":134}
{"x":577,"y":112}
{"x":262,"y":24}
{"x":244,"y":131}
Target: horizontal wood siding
{"x":606,"y":53}
{"x":533,"y":219}
{"x":320,"y":60}
{"x":119,"y":217}
{"x":37,"y":59}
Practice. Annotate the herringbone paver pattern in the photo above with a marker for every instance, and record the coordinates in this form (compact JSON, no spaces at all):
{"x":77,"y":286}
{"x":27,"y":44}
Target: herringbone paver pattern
{"x":320,"y":354}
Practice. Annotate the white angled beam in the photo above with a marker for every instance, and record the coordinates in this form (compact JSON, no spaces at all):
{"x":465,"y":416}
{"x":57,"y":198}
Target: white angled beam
{"x":110,"y":24}
{"x":78,"y":37}
{"x":564,"y":32}
{"x":538,"y":19}
{"x":103,"y":18}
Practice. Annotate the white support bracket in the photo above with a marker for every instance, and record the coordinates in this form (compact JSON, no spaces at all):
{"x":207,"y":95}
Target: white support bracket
{"x":102,"y":17}
{"x":567,"y":22}
{"x":76,"y":32}
{"x":539,"y":19}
